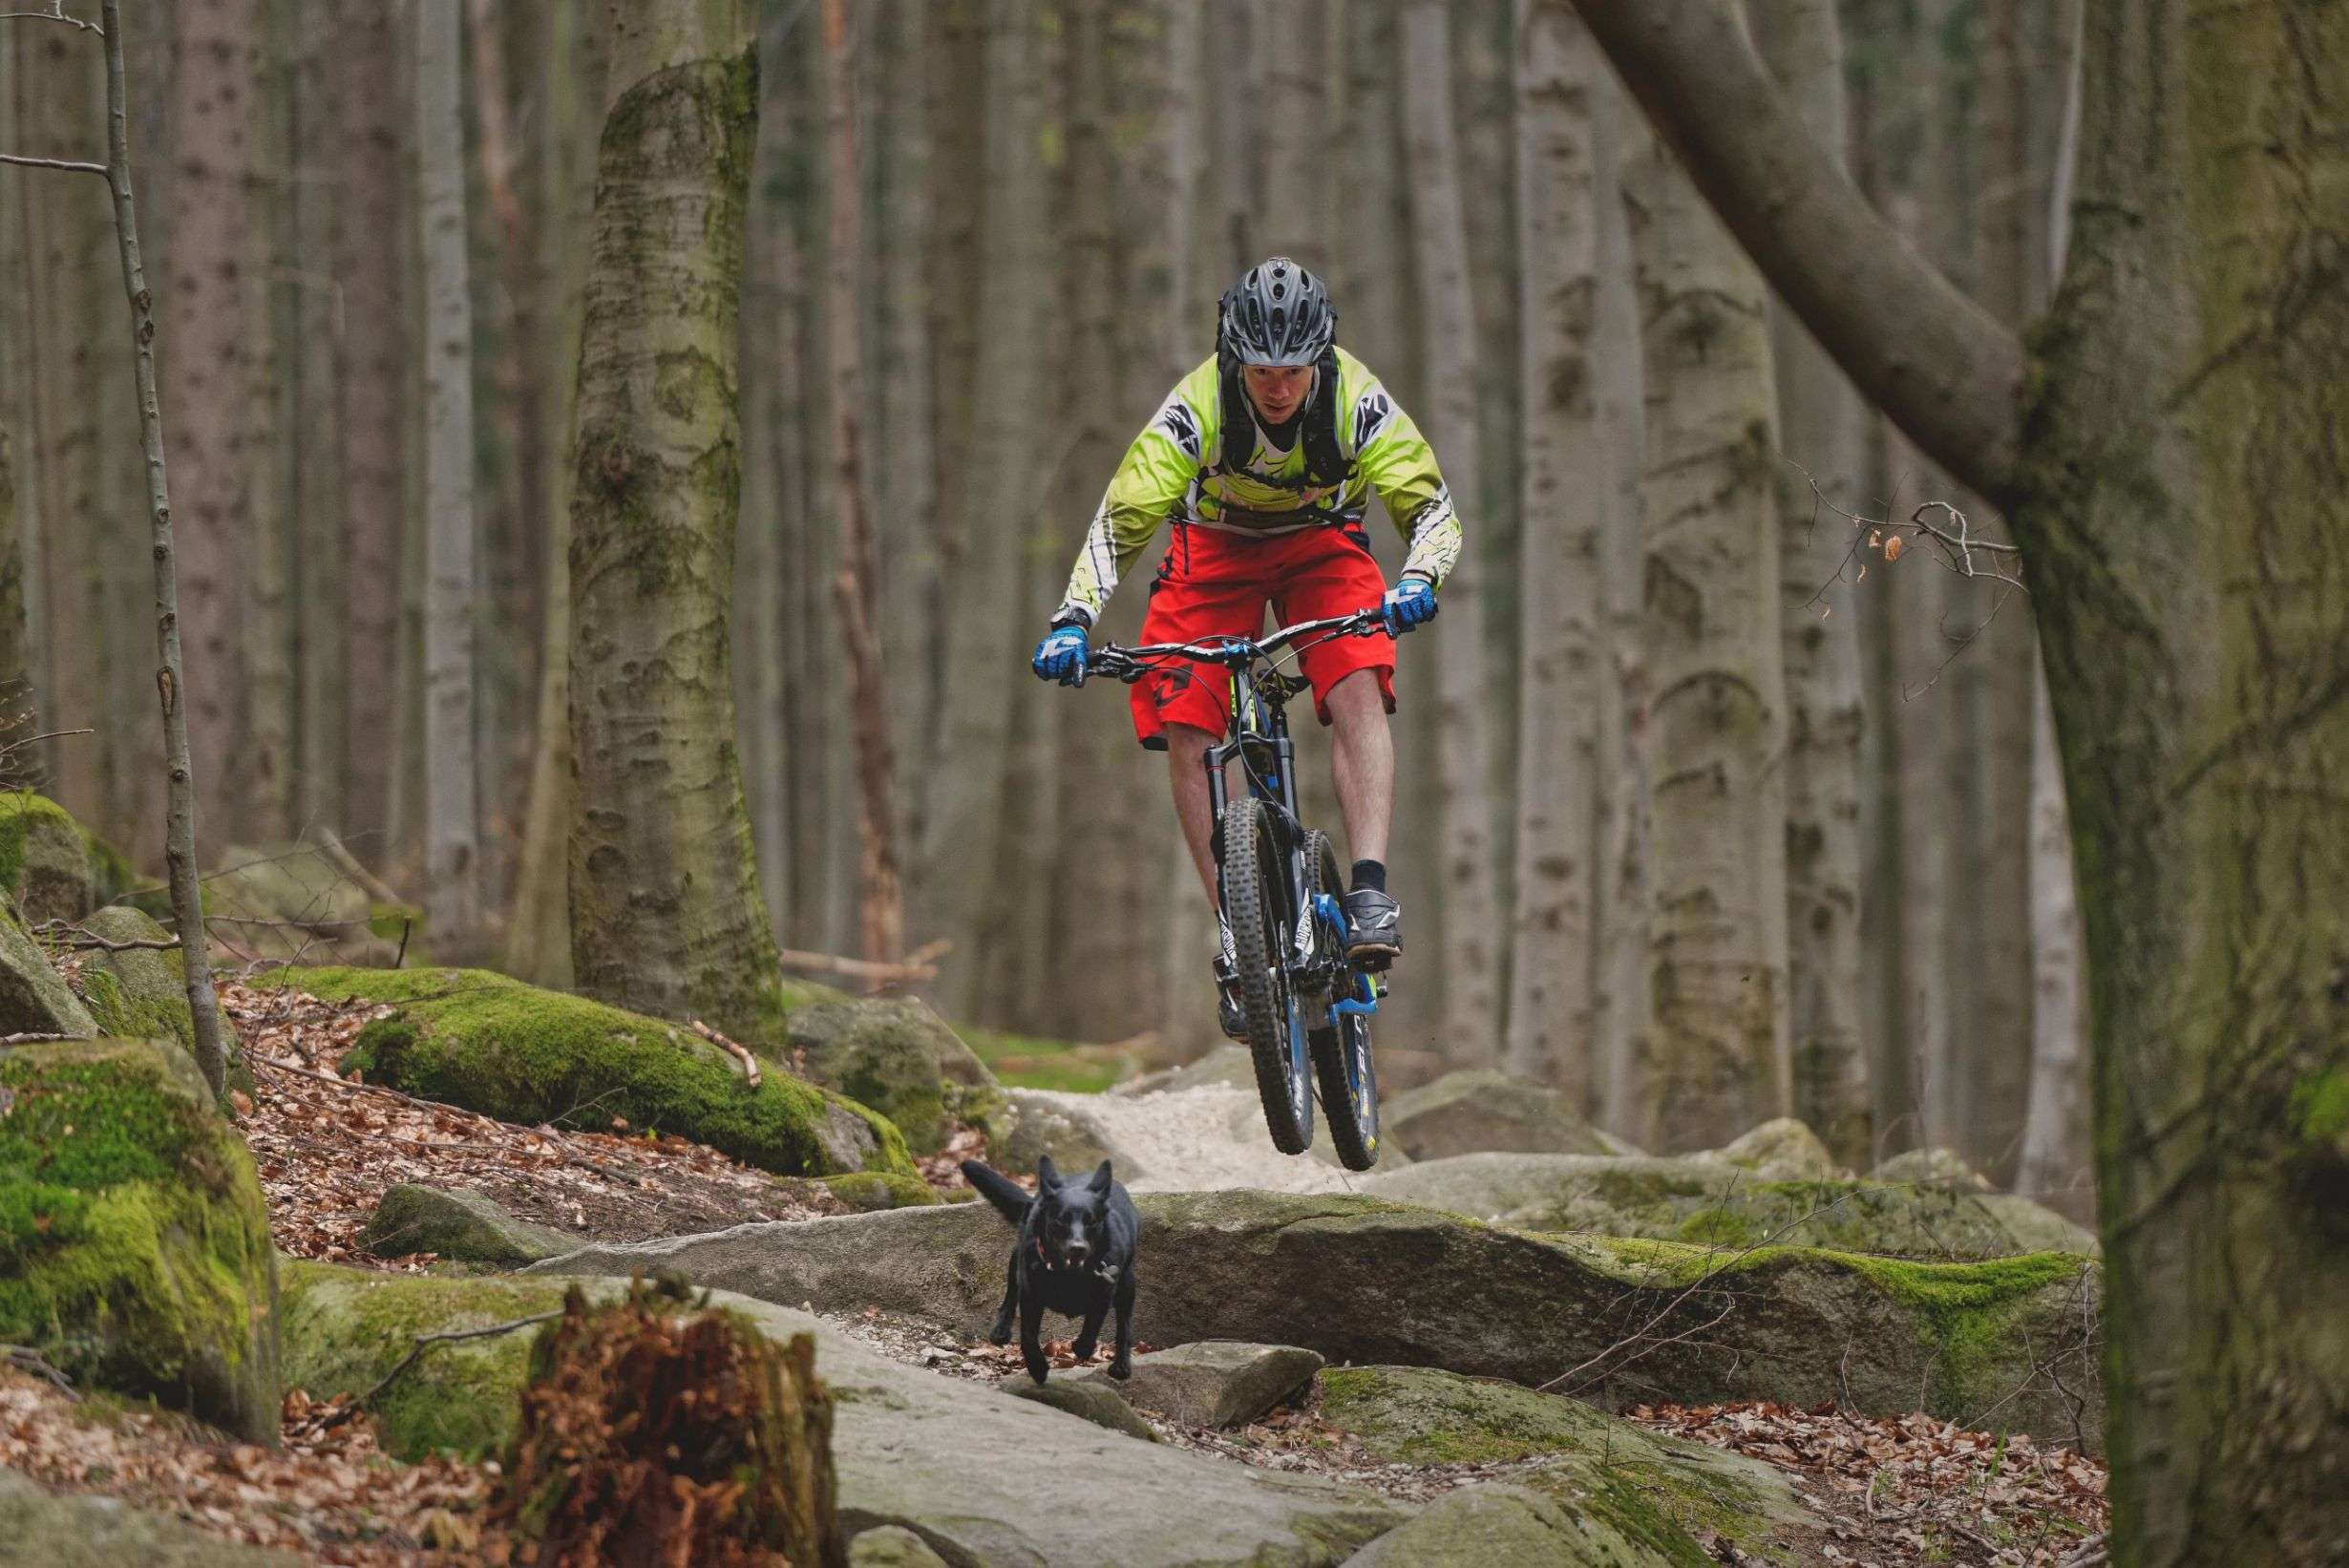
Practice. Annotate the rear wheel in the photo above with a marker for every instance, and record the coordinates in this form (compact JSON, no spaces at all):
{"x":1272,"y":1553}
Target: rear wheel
{"x":1342,"y":1049}
{"x":1256,"y":903}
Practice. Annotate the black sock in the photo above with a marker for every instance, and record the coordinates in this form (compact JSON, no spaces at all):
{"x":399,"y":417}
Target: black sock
{"x":1370,"y":874}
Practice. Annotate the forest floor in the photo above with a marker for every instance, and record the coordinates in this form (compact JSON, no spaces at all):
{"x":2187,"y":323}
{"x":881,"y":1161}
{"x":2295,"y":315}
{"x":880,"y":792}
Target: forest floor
{"x":1905,"y":1492}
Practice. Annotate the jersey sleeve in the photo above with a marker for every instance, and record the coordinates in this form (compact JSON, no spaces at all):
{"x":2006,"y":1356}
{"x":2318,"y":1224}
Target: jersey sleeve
{"x":1153,"y":479}
{"x":1400,"y":464}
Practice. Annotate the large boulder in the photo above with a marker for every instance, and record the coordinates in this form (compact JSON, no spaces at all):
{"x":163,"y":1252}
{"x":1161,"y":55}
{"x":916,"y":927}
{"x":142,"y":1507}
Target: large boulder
{"x":1782,"y":1149}
{"x":460,"y":1224}
{"x":44,"y":858}
{"x":74,"y":1531}
{"x":1360,"y":1280}
{"x":1701,"y":1200}
{"x":134,"y":1245}
{"x":1471,"y":1112}
{"x":522,"y":1054}
{"x":967,"y":1471}
{"x":1226,"y":1066}
{"x":1088,"y":1399}
{"x":34,"y":999}
{"x":138,"y":993}
{"x":895,"y":1055}
{"x":1932,"y":1167}
{"x":1498,"y":1525}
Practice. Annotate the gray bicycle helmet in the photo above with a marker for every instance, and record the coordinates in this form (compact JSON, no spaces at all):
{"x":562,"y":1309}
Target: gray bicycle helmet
{"x":1277,"y":313}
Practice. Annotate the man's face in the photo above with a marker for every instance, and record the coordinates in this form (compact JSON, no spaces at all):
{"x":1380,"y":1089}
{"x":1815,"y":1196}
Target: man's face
{"x":1278,"y":390}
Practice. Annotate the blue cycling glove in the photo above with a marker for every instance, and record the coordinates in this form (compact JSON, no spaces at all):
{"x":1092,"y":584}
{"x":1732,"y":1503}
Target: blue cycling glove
{"x":1061,"y":656}
{"x":1408,"y":603}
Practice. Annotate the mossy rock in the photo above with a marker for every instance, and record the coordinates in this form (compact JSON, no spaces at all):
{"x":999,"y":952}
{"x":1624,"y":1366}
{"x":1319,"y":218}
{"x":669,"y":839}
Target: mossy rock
{"x":492,"y":1043}
{"x":1709,"y":1203}
{"x":890,"y":1054}
{"x":1780,"y":1149}
{"x":34,"y":999}
{"x":1932,"y":1167}
{"x":460,"y":1224}
{"x":44,"y":858}
{"x":1369,"y":1282}
{"x":141,"y":992}
{"x":1479,"y":1110}
{"x":346,"y":1328}
{"x":1499,"y":1525}
{"x":72,"y":1530}
{"x":867,"y":1191}
{"x":134,"y":1244}
{"x":1663,"y":1493}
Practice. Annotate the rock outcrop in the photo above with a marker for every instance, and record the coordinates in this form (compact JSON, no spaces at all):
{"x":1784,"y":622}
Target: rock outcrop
{"x":1361,"y":1280}
{"x":460,"y":1224}
{"x":954,"y":1463}
{"x":1471,"y":1112}
{"x":895,"y":1055}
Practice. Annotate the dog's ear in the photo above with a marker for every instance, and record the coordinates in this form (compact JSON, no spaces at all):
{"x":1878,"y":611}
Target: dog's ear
{"x":1048,"y":1174}
{"x":1100,"y":1182}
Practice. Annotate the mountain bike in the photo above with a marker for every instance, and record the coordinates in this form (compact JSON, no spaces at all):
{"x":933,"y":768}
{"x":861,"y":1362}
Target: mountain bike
{"x":1306,"y":1006}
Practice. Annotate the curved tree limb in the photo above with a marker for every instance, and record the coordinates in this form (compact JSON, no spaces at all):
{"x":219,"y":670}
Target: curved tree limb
{"x":1945,"y":371}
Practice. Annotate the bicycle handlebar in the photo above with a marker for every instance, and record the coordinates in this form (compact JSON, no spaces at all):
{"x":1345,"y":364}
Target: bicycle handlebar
{"x":1132,"y":663}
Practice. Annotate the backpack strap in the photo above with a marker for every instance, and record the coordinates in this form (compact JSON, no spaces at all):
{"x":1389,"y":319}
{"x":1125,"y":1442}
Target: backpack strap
{"x":1325,"y":461}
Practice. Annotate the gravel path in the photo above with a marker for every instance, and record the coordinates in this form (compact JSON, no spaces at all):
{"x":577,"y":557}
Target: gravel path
{"x":1200,"y":1139}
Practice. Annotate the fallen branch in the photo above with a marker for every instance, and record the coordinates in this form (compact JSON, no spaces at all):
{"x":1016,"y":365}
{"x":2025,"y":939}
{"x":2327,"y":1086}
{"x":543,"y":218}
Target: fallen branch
{"x":749,"y":1063}
{"x":35,"y":1039}
{"x":80,"y":938}
{"x":919,"y":964}
{"x":338,"y":855}
{"x":24,"y":1359}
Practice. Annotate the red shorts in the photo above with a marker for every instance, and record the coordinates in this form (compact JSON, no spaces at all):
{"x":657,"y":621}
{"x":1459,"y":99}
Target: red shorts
{"x":1215,"y":584}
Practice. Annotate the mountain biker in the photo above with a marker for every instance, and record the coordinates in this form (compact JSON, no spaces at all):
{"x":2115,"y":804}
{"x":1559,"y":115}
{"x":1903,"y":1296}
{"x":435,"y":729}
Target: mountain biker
{"x":1264,"y":459}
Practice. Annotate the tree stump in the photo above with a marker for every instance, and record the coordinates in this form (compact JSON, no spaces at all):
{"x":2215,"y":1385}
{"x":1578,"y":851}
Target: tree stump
{"x":654,"y":1438}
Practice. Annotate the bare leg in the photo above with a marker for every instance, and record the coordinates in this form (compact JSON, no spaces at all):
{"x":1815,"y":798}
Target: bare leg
{"x":1186,"y":752}
{"x":1361,"y":762}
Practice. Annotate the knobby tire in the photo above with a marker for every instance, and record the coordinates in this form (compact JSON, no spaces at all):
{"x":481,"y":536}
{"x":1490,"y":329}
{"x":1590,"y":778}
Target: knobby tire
{"x":1353,"y":1123}
{"x":1253,"y":901}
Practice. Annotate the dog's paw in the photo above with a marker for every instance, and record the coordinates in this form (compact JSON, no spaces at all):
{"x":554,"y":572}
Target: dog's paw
{"x":1082,"y":1349}
{"x":1000,"y":1334}
{"x":1037,"y":1370}
{"x":1121,"y":1368}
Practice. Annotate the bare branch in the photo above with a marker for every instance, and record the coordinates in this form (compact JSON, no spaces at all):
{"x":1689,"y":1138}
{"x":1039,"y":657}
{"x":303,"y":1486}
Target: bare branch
{"x":98,"y":169}
{"x":54,"y":13}
{"x":79,"y":937}
{"x":740,"y":1053}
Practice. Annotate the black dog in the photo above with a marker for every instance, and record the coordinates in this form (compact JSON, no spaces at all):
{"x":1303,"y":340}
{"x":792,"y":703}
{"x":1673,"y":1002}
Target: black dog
{"x":1074,"y":1254}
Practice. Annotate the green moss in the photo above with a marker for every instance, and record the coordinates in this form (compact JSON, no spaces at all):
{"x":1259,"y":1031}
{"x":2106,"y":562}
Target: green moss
{"x":134,"y":1018}
{"x":344,"y":1329}
{"x":112,"y":875}
{"x":23,"y":817}
{"x":523,"y":1054}
{"x":134,"y":1243}
{"x":871,"y":1190}
{"x":2320,"y":1106}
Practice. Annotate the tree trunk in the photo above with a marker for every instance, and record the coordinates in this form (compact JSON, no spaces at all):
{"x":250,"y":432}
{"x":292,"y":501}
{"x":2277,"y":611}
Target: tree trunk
{"x":1562,"y":190}
{"x":665,"y":904}
{"x":1472,"y":1032}
{"x":1718,"y":941}
{"x":1823,"y":431}
{"x":969,"y":814}
{"x":452,"y":864}
{"x":1624,"y":1004}
{"x":207,"y":375}
{"x":266,"y":761}
{"x":538,"y":934}
{"x":320,"y":515}
{"x":2179,"y":499}
{"x":880,"y":898}
{"x":375,"y":395}
{"x":13,"y":637}
{"x":170,"y":678}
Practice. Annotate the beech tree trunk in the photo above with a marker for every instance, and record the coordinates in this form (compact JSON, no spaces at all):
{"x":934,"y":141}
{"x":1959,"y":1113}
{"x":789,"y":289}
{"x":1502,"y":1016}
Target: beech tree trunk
{"x":206,"y":374}
{"x":1562,"y":190}
{"x":265,"y":629}
{"x":1823,"y":431}
{"x":452,"y":868}
{"x":665,"y":915}
{"x":1470,"y":930}
{"x":1718,"y":933}
{"x":2180,"y":494}
{"x":375,"y":395}
{"x":985,"y":640}
{"x":321,"y":516}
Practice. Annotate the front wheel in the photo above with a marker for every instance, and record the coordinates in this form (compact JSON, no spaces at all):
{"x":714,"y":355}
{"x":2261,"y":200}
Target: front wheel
{"x":1340,"y":1049}
{"x":1257,"y":906}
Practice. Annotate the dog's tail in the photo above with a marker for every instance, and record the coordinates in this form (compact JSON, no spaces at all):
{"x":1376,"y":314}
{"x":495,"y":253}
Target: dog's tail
{"x":1011,"y":1201}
